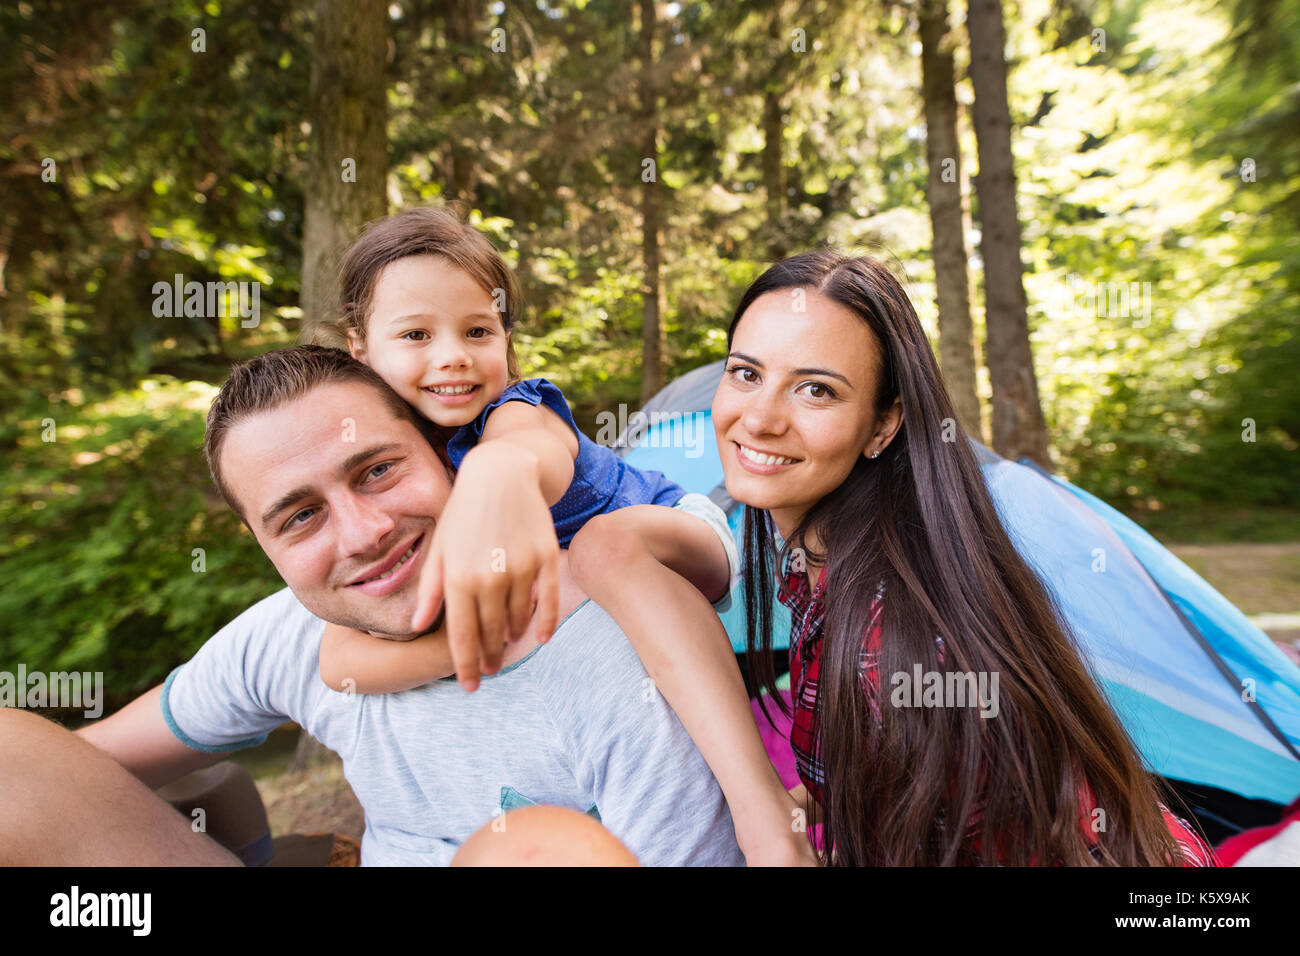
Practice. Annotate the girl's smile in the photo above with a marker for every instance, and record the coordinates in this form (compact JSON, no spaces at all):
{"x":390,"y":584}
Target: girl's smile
{"x":435,"y":336}
{"x":455,"y":394}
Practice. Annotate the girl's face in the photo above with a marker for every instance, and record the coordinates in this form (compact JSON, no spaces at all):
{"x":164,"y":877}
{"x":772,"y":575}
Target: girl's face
{"x":435,"y":336}
{"x":796,"y":406}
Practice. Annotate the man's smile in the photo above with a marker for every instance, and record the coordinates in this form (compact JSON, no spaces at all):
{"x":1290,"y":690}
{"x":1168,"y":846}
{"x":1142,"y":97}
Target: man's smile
{"x":391,"y":573}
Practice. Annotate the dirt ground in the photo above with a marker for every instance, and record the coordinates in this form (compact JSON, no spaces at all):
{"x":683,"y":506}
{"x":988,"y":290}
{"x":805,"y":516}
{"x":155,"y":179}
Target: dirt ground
{"x":1261,"y":579}
{"x":318,"y":800}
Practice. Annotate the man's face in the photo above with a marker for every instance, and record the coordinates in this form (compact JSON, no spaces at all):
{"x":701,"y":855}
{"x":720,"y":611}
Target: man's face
{"x":343,"y":497}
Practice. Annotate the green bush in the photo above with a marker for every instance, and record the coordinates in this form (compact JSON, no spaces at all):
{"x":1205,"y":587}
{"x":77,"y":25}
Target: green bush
{"x":118,"y":554}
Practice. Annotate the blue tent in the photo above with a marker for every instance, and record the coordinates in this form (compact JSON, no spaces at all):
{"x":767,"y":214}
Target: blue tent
{"x":1211,"y":702}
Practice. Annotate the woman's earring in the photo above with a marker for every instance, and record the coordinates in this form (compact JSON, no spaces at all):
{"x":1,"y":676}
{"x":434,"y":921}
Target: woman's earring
{"x":876,"y":453}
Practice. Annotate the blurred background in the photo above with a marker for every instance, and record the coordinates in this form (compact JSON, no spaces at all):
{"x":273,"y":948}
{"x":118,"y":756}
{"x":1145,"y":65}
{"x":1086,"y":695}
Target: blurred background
{"x":1094,"y":206}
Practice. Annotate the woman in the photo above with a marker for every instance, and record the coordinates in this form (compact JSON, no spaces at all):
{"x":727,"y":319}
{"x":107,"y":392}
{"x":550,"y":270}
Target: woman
{"x":830,"y":421}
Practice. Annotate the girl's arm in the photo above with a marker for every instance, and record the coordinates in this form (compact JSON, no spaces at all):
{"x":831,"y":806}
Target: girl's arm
{"x":800,"y":796}
{"x":353,"y":661}
{"x":651,"y":568}
{"x":496,"y":539}
{"x":534,"y":429}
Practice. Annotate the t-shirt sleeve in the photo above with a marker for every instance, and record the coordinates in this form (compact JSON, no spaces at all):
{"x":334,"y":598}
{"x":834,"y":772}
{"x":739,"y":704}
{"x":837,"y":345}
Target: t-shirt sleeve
{"x":248,"y":679}
{"x":649,"y":783}
{"x":534,"y":391}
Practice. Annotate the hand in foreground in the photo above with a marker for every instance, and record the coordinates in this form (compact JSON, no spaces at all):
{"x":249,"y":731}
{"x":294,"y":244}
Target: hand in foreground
{"x":494,"y":541}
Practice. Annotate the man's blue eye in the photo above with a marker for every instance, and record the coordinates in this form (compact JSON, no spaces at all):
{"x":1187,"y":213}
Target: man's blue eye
{"x":386,"y":464}
{"x":305,"y":511}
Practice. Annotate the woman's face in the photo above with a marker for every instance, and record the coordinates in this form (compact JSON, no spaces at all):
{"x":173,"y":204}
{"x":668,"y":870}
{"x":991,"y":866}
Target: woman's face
{"x":434,"y":335}
{"x":796,"y":406}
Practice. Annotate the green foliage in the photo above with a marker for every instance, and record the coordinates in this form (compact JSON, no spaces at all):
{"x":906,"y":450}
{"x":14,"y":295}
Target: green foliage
{"x":1129,"y":164}
{"x":102,"y":522}
{"x":162,"y":163}
{"x":1210,"y":523}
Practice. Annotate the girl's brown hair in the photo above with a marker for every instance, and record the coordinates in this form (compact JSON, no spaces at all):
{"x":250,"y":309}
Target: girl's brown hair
{"x":922,"y":784}
{"x":424,"y":231}
{"x":265,"y":382}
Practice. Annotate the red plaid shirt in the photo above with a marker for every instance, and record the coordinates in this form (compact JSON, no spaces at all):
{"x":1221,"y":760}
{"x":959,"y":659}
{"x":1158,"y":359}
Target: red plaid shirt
{"x":807,"y":612}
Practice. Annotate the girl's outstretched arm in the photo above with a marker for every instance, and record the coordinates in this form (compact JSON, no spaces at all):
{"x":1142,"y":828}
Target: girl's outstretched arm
{"x":353,"y":661}
{"x":655,"y":571}
{"x":496,"y":539}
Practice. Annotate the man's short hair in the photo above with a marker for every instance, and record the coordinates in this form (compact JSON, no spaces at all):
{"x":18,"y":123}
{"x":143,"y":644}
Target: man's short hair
{"x":268,"y":381}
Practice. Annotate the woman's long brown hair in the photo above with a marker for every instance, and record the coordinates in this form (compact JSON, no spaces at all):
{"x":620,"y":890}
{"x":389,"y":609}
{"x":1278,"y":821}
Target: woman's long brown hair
{"x":921,"y":786}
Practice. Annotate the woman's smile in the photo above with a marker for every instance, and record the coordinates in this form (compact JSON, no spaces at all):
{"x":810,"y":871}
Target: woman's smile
{"x":762,"y":462}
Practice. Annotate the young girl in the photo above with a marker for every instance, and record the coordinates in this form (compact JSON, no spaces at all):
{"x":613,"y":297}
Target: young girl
{"x":430,"y":305}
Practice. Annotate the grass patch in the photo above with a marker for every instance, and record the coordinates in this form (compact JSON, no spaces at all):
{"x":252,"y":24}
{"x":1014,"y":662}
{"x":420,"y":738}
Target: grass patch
{"x":1221,"y":524}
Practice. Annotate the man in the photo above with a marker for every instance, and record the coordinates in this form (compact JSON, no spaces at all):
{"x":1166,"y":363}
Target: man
{"x":334,"y":476}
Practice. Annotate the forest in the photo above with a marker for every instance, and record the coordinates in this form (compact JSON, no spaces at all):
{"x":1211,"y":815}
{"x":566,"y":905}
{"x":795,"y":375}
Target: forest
{"x":1093,"y":204}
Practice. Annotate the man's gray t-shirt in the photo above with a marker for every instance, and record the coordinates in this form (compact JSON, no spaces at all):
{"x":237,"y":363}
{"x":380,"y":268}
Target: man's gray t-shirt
{"x":576,"y":723}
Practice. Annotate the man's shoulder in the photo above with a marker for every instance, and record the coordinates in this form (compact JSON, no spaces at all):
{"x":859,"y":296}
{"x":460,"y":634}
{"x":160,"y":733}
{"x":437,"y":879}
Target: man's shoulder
{"x":590,"y":632}
{"x":274,"y":627}
{"x":587,"y":660}
{"x":281,"y":612}
{"x":589,"y":667}
{"x":249,"y":676}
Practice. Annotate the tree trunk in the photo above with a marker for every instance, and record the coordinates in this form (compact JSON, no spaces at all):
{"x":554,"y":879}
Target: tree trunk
{"x":348,"y":171}
{"x":465,"y":39}
{"x":943,"y":155}
{"x":6,"y":237}
{"x":1018,"y":425}
{"x":347,"y":104}
{"x":652,"y":373}
{"x":772,"y":168}
{"x":773,"y":133}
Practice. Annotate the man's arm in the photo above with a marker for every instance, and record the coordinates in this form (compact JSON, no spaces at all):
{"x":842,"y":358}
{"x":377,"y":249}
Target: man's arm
{"x":240,"y":685}
{"x":139,"y":739}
